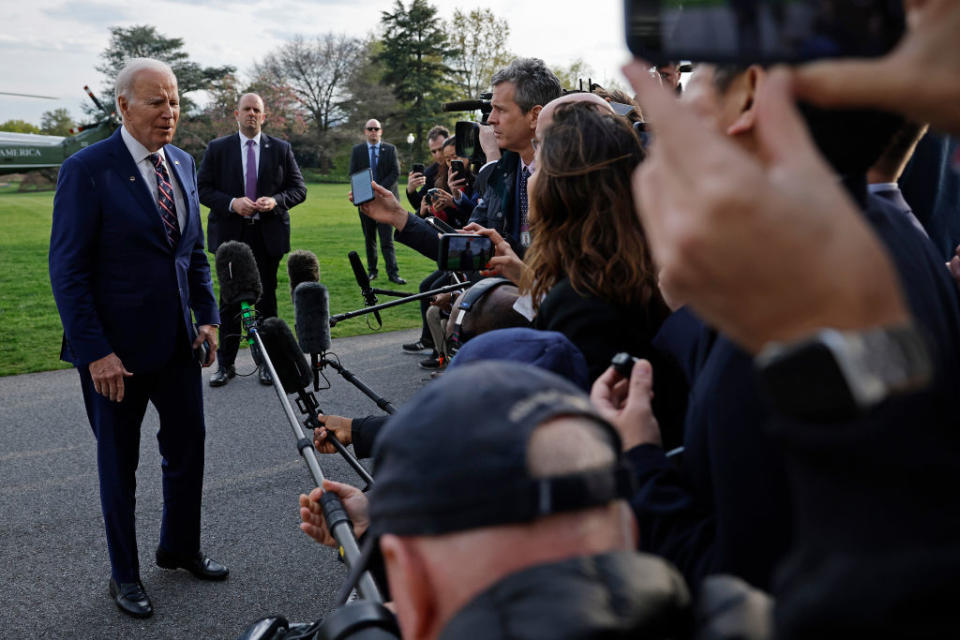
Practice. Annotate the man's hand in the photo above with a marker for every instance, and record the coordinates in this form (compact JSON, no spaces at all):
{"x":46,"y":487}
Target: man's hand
{"x":626,"y":404}
{"x":265,"y":203}
{"x":415,"y":180}
{"x":442,"y":199}
{"x":505,"y":262}
{"x":342,"y":428}
{"x":919,"y":79}
{"x":488,"y":142}
{"x":443,"y":300}
{"x":244,"y":207}
{"x":311,"y":513}
{"x":108,"y":374}
{"x":764,"y":248}
{"x":384,"y":208}
{"x":207,"y":333}
{"x":954,"y":266}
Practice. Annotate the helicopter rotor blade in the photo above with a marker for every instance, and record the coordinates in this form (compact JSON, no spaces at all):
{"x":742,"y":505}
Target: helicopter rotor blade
{"x":27,"y":95}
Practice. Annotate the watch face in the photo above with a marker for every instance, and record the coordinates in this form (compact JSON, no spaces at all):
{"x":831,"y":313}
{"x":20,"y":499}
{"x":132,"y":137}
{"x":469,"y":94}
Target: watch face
{"x":806,"y":382}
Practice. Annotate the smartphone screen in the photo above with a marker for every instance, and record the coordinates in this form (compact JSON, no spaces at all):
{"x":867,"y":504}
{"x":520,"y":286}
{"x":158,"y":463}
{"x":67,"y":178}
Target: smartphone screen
{"x":458,"y":171}
{"x":763,"y":31}
{"x":361,"y":185}
{"x":464,"y":252}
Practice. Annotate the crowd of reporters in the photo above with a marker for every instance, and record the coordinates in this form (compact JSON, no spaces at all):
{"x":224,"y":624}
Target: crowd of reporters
{"x":731,"y":257}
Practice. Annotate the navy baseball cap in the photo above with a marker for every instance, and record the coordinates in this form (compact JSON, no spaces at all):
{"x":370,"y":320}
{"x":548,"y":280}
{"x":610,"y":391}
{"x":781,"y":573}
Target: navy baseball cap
{"x":548,"y":350}
{"x":454,"y":457}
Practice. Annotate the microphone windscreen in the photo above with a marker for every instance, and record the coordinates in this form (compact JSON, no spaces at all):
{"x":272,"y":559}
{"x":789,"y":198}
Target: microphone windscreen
{"x":302,"y":266}
{"x":358,"y":271}
{"x":288,"y":360}
{"x":237,"y":273}
{"x":311,"y":304}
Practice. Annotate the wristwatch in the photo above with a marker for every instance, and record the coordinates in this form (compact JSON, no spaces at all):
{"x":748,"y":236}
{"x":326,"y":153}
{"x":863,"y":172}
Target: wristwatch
{"x":838,"y":375}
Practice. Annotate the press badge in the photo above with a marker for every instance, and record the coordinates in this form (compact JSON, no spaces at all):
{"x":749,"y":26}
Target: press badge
{"x":525,"y":238}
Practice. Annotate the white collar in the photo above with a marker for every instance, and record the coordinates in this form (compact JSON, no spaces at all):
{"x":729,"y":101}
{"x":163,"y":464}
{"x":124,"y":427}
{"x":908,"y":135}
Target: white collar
{"x":256,"y":138}
{"x":136,"y":149}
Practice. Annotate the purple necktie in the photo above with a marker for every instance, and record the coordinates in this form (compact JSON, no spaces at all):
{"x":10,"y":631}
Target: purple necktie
{"x":251,"y":187}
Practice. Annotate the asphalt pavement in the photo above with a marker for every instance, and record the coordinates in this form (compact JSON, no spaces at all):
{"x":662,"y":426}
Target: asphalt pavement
{"x":53,"y":551}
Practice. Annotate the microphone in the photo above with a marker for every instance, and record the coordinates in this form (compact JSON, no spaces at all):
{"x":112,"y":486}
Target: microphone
{"x":311,"y":304}
{"x":464,"y":105}
{"x":237,"y":273}
{"x":369,"y":297}
{"x":239,"y":281}
{"x":302,"y":266}
{"x":295,"y":375}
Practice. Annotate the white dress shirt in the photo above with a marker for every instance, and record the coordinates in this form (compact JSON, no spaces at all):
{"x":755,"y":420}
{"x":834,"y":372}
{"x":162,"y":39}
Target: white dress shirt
{"x":141,"y":156}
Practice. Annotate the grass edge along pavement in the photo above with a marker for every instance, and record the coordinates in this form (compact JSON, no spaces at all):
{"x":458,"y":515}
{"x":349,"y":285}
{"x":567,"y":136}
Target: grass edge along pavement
{"x":326,"y":224}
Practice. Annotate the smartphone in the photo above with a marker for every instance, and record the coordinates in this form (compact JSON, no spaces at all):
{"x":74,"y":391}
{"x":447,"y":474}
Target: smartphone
{"x":418,"y":167}
{"x":459,"y":172}
{"x":361,"y":183}
{"x":464,"y":252}
{"x":761,"y":31}
{"x":439,"y":225}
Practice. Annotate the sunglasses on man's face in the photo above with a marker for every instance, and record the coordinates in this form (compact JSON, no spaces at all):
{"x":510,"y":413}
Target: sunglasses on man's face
{"x":373,"y":128}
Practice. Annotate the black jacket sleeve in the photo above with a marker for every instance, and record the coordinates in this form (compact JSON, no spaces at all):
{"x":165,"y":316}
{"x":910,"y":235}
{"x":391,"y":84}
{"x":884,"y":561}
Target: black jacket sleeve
{"x":363,"y":433}
{"x":210,"y":195}
{"x":293,"y":191}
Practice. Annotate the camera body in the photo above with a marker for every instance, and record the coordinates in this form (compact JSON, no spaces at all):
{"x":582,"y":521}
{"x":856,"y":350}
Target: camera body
{"x":468,"y":132}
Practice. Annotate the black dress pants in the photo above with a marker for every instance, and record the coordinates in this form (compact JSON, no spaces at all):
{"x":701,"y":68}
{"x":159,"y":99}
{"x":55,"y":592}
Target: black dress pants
{"x":372,"y":228}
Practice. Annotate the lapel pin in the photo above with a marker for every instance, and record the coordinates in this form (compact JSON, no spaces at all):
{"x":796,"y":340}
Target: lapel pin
{"x":176,"y":162}
{"x":132,"y":179}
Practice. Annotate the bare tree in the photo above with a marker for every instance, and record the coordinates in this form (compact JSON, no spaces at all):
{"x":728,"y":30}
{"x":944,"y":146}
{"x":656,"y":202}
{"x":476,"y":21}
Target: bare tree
{"x":316,"y":70}
{"x":479,"y":46}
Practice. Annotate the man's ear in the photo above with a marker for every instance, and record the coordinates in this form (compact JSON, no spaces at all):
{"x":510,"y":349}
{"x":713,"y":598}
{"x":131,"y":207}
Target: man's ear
{"x":123,"y":104}
{"x":534,"y":114}
{"x":409,"y":585}
{"x":752,"y":79}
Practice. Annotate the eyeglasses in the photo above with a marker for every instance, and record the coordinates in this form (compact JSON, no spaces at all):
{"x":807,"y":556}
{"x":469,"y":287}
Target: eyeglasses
{"x":373,"y":128}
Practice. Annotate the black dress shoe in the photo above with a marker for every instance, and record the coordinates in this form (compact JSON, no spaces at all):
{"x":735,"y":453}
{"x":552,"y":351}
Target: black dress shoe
{"x":264,"y":376}
{"x":198,"y":564}
{"x":372,"y":275}
{"x":222,"y":375}
{"x":132,"y":598}
{"x":397,"y":280}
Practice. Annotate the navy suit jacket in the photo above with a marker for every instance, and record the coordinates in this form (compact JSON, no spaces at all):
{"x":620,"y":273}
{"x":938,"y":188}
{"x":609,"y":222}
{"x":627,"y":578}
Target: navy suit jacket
{"x":221,"y":179}
{"x":118,"y":284}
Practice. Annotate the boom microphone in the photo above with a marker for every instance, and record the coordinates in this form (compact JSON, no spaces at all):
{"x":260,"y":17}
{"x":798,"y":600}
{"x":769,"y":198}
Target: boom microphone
{"x":464,"y":105}
{"x":311,"y":304}
{"x":238,"y":275}
{"x":302,"y":266}
{"x":288,"y":360}
{"x":369,"y":297}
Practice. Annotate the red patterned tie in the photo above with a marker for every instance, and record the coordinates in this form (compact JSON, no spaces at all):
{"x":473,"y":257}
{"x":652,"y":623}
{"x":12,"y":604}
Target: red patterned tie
{"x":168,"y":210}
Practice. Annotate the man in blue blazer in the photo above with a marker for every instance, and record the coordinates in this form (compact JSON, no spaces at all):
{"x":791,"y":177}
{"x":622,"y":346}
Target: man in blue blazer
{"x":127,"y":269}
{"x":250,"y":181}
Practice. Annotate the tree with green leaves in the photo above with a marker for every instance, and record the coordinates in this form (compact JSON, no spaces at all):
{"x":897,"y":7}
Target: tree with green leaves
{"x":57,"y":122}
{"x":571,"y":74}
{"x":479,"y":49}
{"x":415,"y":47}
{"x":143,"y":41}
{"x":19,"y":126}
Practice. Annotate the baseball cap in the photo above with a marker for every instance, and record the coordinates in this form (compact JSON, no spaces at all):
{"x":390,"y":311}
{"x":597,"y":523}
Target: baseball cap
{"x":454,"y":457}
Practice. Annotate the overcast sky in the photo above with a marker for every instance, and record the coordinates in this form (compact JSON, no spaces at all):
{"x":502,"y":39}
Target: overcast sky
{"x":50,"y":47}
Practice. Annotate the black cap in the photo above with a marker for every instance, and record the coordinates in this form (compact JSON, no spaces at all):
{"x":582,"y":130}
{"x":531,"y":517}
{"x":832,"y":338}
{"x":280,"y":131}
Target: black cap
{"x":455,"y":456}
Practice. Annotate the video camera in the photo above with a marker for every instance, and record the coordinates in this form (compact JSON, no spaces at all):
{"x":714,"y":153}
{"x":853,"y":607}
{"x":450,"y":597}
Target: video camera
{"x":468,"y":132}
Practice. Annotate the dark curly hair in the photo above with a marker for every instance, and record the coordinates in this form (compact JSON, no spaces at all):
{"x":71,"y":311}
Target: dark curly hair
{"x":582,"y":219}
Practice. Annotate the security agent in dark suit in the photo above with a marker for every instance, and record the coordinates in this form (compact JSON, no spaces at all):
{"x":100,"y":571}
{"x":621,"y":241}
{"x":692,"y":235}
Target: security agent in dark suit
{"x":250,"y":206}
{"x":381,"y":157}
{"x":127,"y":269}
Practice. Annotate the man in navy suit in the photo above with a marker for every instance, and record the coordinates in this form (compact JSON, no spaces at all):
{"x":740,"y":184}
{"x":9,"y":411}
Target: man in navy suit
{"x":250,"y":181}
{"x":381,"y":158}
{"x":127,"y":268}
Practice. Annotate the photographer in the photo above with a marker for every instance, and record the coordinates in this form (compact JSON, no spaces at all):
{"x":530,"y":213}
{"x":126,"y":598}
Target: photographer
{"x":877,"y":523}
{"x":519,"y":92}
{"x":419,"y":183}
{"x":473,"y":550}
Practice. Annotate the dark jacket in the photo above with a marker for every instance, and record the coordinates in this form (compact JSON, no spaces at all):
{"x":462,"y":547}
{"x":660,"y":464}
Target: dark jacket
{"x":614,"y":595}
{"x":495,"y":209}
{"x":388,"y":164}
{"x":220,"y":180}
{"x":601,"y":329}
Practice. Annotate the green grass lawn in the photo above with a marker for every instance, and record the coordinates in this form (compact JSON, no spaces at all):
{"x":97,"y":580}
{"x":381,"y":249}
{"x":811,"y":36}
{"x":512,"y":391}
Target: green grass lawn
{"x":326,"y":224}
